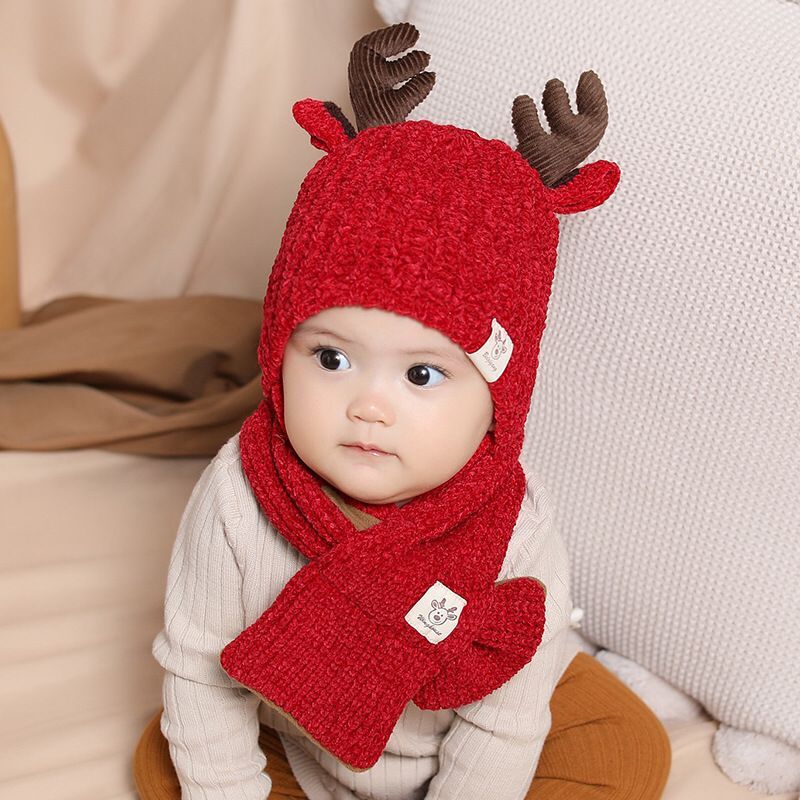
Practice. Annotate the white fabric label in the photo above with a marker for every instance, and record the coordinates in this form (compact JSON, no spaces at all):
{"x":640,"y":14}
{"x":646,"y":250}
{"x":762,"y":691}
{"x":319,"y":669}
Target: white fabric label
{"x":493,"y":356}
{"x":436,"y":614}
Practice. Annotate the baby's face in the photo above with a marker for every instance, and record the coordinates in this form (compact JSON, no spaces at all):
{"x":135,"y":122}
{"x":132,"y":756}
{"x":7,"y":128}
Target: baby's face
{"x":354,"y":376}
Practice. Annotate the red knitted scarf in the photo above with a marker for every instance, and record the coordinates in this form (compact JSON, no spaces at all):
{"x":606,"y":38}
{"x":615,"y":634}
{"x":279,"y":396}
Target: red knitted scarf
{"x":343,"y":675}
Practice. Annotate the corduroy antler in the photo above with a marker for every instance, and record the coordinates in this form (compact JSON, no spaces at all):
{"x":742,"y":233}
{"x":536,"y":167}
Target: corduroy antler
{"x":373,"y":77}
{"x":459,"y":232}
{"x":553,"y":155}
{"x":573,"y":136}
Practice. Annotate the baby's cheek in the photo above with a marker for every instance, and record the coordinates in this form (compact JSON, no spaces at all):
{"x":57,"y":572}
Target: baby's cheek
{"x":301,"y":415}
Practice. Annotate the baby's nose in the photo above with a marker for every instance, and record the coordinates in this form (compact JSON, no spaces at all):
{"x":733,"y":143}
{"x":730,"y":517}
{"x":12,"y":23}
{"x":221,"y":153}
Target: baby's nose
{"x":371,"y":406}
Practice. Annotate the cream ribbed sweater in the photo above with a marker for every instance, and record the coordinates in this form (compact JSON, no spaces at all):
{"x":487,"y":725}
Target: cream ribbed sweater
{"x":229,"y":564}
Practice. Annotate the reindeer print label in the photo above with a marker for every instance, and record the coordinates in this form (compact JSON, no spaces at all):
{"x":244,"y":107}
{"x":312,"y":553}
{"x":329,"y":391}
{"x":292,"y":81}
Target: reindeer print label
{"x":493,"y":356}
{"x":435,"y":615}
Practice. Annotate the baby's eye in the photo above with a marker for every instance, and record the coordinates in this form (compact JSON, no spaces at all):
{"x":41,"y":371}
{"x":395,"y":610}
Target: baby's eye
{"x":330,"y":359}
{"x":426,"y":375}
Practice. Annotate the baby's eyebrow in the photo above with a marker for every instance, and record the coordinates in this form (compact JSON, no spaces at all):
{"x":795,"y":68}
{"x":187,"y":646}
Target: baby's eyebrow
{"x":314,"y":331}
{"x":442,"y":354}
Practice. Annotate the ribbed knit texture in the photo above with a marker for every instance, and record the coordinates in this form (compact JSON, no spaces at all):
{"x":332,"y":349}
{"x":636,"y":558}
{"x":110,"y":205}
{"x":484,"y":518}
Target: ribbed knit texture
{"x":229,"y":563}
{"x":666,"y":417}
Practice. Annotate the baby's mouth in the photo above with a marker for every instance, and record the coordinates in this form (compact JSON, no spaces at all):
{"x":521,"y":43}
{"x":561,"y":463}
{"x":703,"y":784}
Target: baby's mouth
{"x":367,"y":447}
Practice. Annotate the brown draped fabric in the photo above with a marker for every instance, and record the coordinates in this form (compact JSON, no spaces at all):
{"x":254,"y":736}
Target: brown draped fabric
{"x":170,"y":377}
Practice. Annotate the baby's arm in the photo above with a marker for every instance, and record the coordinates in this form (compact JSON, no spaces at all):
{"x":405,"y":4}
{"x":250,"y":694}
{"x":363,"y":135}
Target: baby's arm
{"x":210,"y":721}
{"x":493,"y":746}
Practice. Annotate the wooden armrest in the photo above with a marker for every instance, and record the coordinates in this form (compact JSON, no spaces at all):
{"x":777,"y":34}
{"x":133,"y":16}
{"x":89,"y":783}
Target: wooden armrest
{"x":9,"y":253}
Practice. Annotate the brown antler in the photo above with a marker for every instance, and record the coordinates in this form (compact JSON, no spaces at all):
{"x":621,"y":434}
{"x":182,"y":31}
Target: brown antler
{"x":573,"y":136}
{"x":372,"y":76}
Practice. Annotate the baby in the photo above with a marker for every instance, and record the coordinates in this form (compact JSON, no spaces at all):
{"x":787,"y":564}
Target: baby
{"x":366,"y":569}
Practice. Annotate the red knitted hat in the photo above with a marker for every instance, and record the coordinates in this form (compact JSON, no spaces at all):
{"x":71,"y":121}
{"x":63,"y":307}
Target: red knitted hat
{"x":431,"y":222}
{"x":436,"y":223}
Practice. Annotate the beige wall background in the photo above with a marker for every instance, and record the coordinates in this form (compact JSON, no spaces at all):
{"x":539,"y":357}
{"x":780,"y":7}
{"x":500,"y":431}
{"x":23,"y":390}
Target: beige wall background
{"x":154,"y":147}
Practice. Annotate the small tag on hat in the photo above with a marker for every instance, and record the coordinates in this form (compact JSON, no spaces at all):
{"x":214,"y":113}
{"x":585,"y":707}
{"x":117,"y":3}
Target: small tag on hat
{"x":493,"y":356}
{"x":436,"y":614}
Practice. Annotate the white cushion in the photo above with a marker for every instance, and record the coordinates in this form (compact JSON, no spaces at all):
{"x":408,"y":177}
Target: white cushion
{"x":665,"y":418}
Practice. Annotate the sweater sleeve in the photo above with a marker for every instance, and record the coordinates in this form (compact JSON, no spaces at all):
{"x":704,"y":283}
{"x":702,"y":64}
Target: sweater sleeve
{"x":210,"y":722}
{"x":493,"y":745}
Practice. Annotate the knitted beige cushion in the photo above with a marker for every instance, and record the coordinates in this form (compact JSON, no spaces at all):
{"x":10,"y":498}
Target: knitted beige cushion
{"x":669,"y":381}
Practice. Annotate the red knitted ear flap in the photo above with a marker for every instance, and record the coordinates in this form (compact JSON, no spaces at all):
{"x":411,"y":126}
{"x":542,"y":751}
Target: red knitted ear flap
{"x":591,"y":186}
{"x":325,"y":123}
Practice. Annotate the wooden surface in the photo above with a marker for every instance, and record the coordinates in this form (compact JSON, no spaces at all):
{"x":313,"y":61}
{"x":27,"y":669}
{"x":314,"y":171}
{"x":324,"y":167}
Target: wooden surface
{"x":9,"y":252}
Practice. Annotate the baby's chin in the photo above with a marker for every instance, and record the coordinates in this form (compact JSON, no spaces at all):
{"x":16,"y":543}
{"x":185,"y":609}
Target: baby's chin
{"x":376,"y":496}
{"x":373,"y":498}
